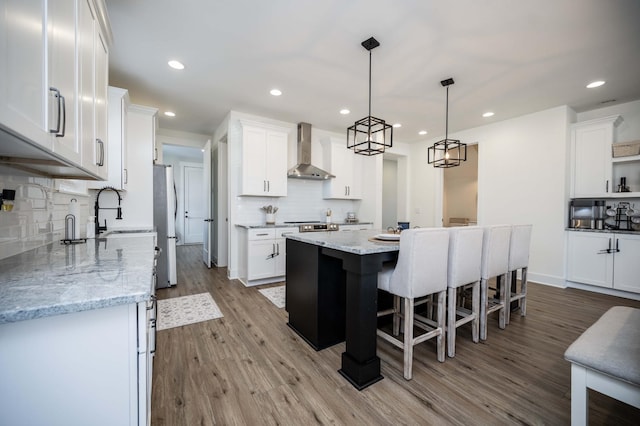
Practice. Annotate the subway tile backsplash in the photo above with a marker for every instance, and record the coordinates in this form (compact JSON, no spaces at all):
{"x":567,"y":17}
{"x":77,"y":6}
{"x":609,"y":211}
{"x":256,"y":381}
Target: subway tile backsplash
{"x":38,"y":214}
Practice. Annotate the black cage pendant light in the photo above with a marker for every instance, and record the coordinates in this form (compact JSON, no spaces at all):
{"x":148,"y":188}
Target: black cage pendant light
{"x":370,"y":135}
{"x":447,"y":152}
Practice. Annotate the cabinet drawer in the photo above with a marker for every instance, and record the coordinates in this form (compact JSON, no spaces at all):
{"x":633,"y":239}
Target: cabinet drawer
{"x":282,"y":232}
{"x":261,"y":234}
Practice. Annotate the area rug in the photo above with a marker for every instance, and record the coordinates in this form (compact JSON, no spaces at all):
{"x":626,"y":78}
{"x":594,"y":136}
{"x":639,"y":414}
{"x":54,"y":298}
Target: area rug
{"x":179,"y":311}
{"x":275,"y":294}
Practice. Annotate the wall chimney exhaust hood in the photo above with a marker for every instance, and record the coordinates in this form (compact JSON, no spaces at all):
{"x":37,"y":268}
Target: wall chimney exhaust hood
{"x":304,"y":169}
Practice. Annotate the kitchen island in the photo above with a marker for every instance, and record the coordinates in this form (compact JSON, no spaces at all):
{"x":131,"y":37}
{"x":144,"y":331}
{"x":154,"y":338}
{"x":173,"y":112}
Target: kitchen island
{"x":76,"y":332}
{"x":331,"y":291}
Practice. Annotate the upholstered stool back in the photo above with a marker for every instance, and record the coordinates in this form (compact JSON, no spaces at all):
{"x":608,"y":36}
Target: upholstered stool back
{"x":465,"y":255}
{"x":422,"y":264}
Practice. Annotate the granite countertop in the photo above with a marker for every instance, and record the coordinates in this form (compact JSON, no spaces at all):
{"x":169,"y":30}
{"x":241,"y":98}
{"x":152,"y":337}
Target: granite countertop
{"x":57,"y":279}
{"x":291,"y":225}
{"x":606,"y":231}
{"x":356,"y":242}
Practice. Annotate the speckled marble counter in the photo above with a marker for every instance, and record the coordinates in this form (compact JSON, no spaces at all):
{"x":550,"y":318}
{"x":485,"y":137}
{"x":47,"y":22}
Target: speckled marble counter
{"x":57,"y":278}
{"x":606,"y":231}
{"x":356,"y":242}
{"x":291,"y":225}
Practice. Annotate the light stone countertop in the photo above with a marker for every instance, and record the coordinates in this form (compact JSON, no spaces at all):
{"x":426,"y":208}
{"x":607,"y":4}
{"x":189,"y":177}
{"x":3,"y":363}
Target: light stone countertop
{"x":57,"y":279}
{"x":356,"y":242}
{"x":291,"y":225}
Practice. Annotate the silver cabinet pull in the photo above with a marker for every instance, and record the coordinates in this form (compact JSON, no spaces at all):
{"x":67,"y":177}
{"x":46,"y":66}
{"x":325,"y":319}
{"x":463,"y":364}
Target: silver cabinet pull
{"x":62,"y":116}
{"x":606,"y":189}
{"x":101,"y":161}
{"x":126,"y":176}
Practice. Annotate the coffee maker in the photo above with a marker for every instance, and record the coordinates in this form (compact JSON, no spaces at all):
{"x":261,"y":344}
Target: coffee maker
{"x":587,"y":214}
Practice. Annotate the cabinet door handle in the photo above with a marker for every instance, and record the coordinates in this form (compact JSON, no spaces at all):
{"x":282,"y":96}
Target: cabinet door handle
{"x":277,"y":249}
{"x":617,"y":247}
{"x":126,"y":176}
{"x":58,"y":97}
{"x":262,"y":235}
{"x":268,"y":186}
{"x":606,"y":188}
{"x":101,"y":161}
{"x":64,"y":118}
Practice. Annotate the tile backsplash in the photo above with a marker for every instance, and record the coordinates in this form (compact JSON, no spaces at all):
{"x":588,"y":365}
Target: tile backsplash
{"x":38,"y":214}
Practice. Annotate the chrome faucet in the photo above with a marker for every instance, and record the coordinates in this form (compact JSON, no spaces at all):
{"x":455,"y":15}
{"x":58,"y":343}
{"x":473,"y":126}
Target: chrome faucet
{"x":97,"y":208}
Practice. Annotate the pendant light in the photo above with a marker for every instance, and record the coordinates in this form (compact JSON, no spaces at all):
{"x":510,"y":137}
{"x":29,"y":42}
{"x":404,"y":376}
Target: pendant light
{"x":370,"y":135}
{"x":447,"y":152}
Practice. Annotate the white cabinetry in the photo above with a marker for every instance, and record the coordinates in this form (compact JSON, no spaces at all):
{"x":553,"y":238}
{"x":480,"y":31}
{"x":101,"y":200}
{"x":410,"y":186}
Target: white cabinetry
{"x":604,"y":259}
{"x":62,"y":76}
{"x":81,"y":368}
{"x":591,"y":157}
{"x":347,"y":169}
{"x":23,"y":91}
{"x":266,"y":255}
{"x":264,"y":160}
{"x":53,"y":62}
{"x":118,"y":175}
{"x":93,"y":82}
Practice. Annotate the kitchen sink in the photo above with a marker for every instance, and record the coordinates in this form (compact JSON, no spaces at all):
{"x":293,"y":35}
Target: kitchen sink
{"x":125,"y":233}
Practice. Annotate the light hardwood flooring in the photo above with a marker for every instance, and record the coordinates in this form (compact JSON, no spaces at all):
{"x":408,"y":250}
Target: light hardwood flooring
{"x":249,"y":368}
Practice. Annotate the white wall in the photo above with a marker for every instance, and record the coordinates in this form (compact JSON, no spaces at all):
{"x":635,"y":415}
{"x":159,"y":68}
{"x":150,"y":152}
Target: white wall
{"x":521,"y":179}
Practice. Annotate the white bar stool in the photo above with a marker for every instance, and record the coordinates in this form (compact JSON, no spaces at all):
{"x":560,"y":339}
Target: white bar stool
{"x":465,"y":256}
{"x":495,"y":263}
{"x":421,"y":270}
{"x":518,"y":259}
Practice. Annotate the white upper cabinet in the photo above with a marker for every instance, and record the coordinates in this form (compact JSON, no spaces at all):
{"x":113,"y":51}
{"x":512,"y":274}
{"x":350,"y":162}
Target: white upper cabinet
{"x":93,"y":61}
{"x":264,"y":160}
{"x":347,"y":169}
{"x":591,"y":157}
{"x":61,"y":81}
{"x":53,"y":90}
{"x":118,"y":173}
{"x":22,"y":69}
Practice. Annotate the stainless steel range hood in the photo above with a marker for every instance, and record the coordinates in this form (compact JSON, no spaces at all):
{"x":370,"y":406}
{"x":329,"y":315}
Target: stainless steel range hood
{"x":304,"y":169}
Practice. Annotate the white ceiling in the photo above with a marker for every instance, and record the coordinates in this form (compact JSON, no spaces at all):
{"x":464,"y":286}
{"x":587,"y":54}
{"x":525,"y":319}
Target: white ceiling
{"x":509,"y":57}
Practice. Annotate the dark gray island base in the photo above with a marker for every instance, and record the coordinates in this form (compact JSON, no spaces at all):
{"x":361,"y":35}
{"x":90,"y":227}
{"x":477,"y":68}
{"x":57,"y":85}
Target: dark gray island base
{"x":331,"y":296}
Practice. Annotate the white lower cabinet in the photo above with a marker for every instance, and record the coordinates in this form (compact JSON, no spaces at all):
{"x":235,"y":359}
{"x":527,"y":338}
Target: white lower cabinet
{"x":266,"y":255}
{"x":356,"y":227}
{"x":82,"y":368}
{"x":604,"y":259}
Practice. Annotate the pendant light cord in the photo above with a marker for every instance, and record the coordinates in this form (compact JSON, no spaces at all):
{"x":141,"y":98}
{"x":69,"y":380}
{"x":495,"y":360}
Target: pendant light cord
{"x":446,"y":120}
{"x":369,"y":86}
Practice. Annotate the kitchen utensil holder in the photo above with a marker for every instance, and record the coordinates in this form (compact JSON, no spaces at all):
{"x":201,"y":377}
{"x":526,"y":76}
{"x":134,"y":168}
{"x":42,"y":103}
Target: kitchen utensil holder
{"x":271,"y":219}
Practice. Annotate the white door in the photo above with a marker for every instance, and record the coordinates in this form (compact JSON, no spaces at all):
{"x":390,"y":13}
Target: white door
{"x":208,"y":221}
{"x":194,"y":211}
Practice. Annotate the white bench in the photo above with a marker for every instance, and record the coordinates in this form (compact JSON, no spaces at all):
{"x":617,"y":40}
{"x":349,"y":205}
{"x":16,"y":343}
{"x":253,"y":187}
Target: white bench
{"x":606,"y":358}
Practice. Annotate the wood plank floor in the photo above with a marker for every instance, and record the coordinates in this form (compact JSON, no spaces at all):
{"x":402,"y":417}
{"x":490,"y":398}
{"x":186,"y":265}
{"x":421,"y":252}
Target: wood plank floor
{"x":249,"y":368}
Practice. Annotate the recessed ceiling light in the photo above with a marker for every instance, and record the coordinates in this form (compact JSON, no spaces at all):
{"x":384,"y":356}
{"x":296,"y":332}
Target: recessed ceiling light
{"x":275,"y":92}
{"x":488,"y":114}
{"x":344,"y":111}
{"x":177,"y":65}
{"x":595,"y":84}
{"x":170,"y":114}
{"x":396,"y":125}
{"x":422,"y":132}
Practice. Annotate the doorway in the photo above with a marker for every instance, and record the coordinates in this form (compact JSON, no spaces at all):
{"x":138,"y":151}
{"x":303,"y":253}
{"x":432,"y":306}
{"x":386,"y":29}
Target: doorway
{"x":177,"y":156}
{"x":192,"y":190}
{"x":460,"y":191}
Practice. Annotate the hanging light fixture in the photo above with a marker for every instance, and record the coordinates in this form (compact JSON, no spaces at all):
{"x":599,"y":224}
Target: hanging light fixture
{"x":370,"y":135}
{"x":447,"y":152}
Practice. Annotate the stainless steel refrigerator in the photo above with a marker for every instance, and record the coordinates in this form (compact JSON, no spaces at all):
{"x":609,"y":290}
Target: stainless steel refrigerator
{"x":164,"y":221}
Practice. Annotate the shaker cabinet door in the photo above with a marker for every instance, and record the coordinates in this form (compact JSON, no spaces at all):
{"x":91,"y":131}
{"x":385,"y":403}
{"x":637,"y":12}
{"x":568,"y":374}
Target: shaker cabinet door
{"x":626,"y":273}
